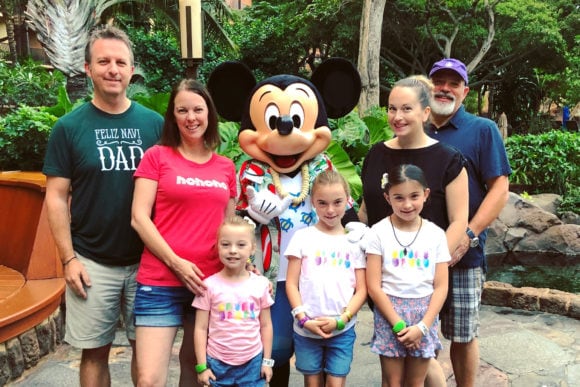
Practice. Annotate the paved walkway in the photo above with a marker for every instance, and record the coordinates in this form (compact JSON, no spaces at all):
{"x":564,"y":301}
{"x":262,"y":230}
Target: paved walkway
{"x":517,"y":348}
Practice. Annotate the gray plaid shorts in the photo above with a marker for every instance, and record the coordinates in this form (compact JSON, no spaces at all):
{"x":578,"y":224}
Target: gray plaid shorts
{"x":460,"y":314}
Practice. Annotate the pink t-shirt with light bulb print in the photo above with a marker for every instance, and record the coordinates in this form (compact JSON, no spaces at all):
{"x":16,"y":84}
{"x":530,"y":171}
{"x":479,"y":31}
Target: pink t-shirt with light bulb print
{"x":234,"y":316}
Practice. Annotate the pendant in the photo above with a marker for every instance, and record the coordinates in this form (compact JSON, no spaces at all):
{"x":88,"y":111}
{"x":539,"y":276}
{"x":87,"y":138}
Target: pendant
{"x":405,"y":251}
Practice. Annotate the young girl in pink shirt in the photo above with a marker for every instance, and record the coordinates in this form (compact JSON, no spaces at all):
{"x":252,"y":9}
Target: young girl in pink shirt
{"x":233,"y":329}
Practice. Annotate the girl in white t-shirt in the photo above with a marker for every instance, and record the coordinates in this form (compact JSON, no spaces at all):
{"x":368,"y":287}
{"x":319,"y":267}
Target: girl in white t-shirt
{"x":407,"y":259}
{"x":325,"y":284}
{"x":233,"y":329}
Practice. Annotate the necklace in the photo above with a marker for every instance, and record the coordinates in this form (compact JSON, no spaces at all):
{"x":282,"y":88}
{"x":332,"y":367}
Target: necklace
{"x":414,"y":239}
{"x":303,"y":191}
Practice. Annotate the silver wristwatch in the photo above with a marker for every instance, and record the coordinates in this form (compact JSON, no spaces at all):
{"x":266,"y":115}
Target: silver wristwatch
{"x":473,"y":239}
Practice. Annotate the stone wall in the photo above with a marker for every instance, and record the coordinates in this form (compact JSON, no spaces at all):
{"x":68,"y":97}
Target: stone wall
{"x":25,"y":351}
{"x":530,"y":232}
{"x":535,"y":299}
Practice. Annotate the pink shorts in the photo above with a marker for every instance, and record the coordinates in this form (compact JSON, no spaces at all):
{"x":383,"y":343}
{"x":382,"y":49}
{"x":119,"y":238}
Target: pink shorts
{"x":412,"y":310}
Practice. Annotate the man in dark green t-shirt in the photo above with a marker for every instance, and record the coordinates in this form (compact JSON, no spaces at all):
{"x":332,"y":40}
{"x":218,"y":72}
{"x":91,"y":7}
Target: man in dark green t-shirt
{"x":91,"y":156}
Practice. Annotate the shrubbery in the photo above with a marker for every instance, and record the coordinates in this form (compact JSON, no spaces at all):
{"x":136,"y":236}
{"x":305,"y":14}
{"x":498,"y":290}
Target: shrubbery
{"x":28,"y":83}
{"x":23,"y":137}
{"x":548,"y":162}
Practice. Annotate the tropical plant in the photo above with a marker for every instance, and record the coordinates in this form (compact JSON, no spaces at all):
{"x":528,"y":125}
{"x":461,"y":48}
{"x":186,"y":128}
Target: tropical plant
{"x":28,"y":83}
{"x":157,"y":55}
{"x":548,"y":162}
{"x":23,"y":137}
{"x":571,"y":201}
{"x":292,"y":36}
{"x":63,"y":28}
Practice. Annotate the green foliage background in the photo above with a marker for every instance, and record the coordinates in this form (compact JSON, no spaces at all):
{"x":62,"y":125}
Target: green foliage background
{"x":548,"y":162}
{"x":535,"y":55}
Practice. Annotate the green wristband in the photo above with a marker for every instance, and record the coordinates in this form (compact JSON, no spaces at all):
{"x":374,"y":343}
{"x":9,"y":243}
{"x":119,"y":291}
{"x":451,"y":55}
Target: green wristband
{"x":399,"y":326}
{"x":199,"y":368}
{"x":339,"y":324}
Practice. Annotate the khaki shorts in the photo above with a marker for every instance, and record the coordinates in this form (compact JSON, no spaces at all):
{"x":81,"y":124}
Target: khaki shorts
{"x":92,"y":322}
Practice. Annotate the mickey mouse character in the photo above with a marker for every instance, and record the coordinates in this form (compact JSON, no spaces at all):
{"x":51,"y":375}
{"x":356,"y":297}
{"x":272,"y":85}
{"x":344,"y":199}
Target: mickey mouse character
{"x":284,"y":129}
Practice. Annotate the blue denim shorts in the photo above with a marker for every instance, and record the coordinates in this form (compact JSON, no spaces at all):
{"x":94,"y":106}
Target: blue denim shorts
{"x":163,"y":306}
{"x":243,"y":375}
{"x":333,"y":355}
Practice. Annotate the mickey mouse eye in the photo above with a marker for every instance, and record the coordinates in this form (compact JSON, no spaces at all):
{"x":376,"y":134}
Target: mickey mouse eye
{"x":297,"y":114}
{"x":271,"y":116}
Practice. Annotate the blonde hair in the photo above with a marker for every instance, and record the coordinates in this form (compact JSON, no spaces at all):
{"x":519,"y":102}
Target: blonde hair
{"x":422,"y":86}
{"x":238,"y":221}
{"x":329,"y":177}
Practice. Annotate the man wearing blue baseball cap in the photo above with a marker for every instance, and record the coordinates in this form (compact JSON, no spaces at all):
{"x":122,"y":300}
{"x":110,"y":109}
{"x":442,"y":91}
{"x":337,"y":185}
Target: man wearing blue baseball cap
{"x":480,"y":142}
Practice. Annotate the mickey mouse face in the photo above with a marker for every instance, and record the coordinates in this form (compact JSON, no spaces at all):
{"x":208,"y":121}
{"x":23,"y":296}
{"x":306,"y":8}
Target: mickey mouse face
{"x":284,"y":118}
{"x":284,"y":122}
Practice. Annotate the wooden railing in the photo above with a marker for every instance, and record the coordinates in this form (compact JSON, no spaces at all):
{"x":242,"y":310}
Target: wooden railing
{"x":31,"y":278}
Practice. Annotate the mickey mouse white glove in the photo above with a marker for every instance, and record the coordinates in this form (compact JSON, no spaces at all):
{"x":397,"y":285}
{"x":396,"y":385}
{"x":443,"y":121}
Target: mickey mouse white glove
{"x":263,"y":206}
{"x":356,"y":232}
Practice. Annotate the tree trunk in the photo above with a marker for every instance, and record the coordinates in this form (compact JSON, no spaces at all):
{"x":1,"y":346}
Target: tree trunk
{"x":76,"y":87}
{"x":11,"y":39}
{"x":369,"y":53}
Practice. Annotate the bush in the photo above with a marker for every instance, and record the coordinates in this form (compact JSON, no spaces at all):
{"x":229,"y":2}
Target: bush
{"x":157,"y":54}
{"x":547,"y":162}
{"x":28,"y":83}
{"x":23,"y":137}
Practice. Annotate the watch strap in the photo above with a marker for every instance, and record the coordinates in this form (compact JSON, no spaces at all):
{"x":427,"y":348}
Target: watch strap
{"x":470,"y":233}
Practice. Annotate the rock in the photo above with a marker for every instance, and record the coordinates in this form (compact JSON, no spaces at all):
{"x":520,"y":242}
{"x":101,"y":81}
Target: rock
{"x":568,"y":217}
{"x":547,"y":201}
{"x":574,"y":310}
{"x":521,"y":213}
{"x":563,"y":239}
{"x":46,"y":342}
{"x":5,"y":373}
{"x":531,"y":226}
{"x":15,"y":358}
{"x":555,"y":302}
{"x":496,"y":238}
{"x":30,"y":348}
{"x":513,"y":236}
{"x":497,"y":293}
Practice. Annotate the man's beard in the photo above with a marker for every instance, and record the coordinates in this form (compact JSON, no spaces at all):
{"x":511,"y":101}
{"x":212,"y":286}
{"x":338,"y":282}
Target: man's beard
{"x":443,"y":108}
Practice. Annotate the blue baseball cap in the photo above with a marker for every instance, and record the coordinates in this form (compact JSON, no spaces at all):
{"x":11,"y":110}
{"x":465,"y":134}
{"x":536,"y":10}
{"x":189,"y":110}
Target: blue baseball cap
{"x":450,"y":64}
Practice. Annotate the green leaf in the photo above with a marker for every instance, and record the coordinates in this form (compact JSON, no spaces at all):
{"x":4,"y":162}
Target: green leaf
{"x":344,"y":165}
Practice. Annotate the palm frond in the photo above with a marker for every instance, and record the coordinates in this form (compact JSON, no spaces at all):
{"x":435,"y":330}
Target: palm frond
{"x":63,"y":27}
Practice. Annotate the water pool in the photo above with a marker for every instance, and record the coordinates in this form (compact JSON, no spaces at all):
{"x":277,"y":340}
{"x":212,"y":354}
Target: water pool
{"x":552,"y":271}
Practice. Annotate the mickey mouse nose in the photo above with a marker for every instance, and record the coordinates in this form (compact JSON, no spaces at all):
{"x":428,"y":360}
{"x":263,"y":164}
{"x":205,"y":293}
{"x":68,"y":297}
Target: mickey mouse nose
{"x":284,"y":124}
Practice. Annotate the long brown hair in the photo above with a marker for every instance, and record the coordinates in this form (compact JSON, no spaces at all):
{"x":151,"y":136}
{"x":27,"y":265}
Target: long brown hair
{"x":170,"y":135}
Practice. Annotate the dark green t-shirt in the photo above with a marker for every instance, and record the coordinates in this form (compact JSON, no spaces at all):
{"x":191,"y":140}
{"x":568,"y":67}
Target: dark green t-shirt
{"x":99,"y":152}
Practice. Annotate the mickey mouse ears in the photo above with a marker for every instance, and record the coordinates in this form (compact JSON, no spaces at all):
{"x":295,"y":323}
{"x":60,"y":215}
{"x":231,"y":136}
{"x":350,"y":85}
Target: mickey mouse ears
{"x":336,"y":79}
{"x":229,"y":85}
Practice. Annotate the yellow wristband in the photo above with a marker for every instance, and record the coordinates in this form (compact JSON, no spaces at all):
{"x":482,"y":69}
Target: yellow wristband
{"x":348,"y":314}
